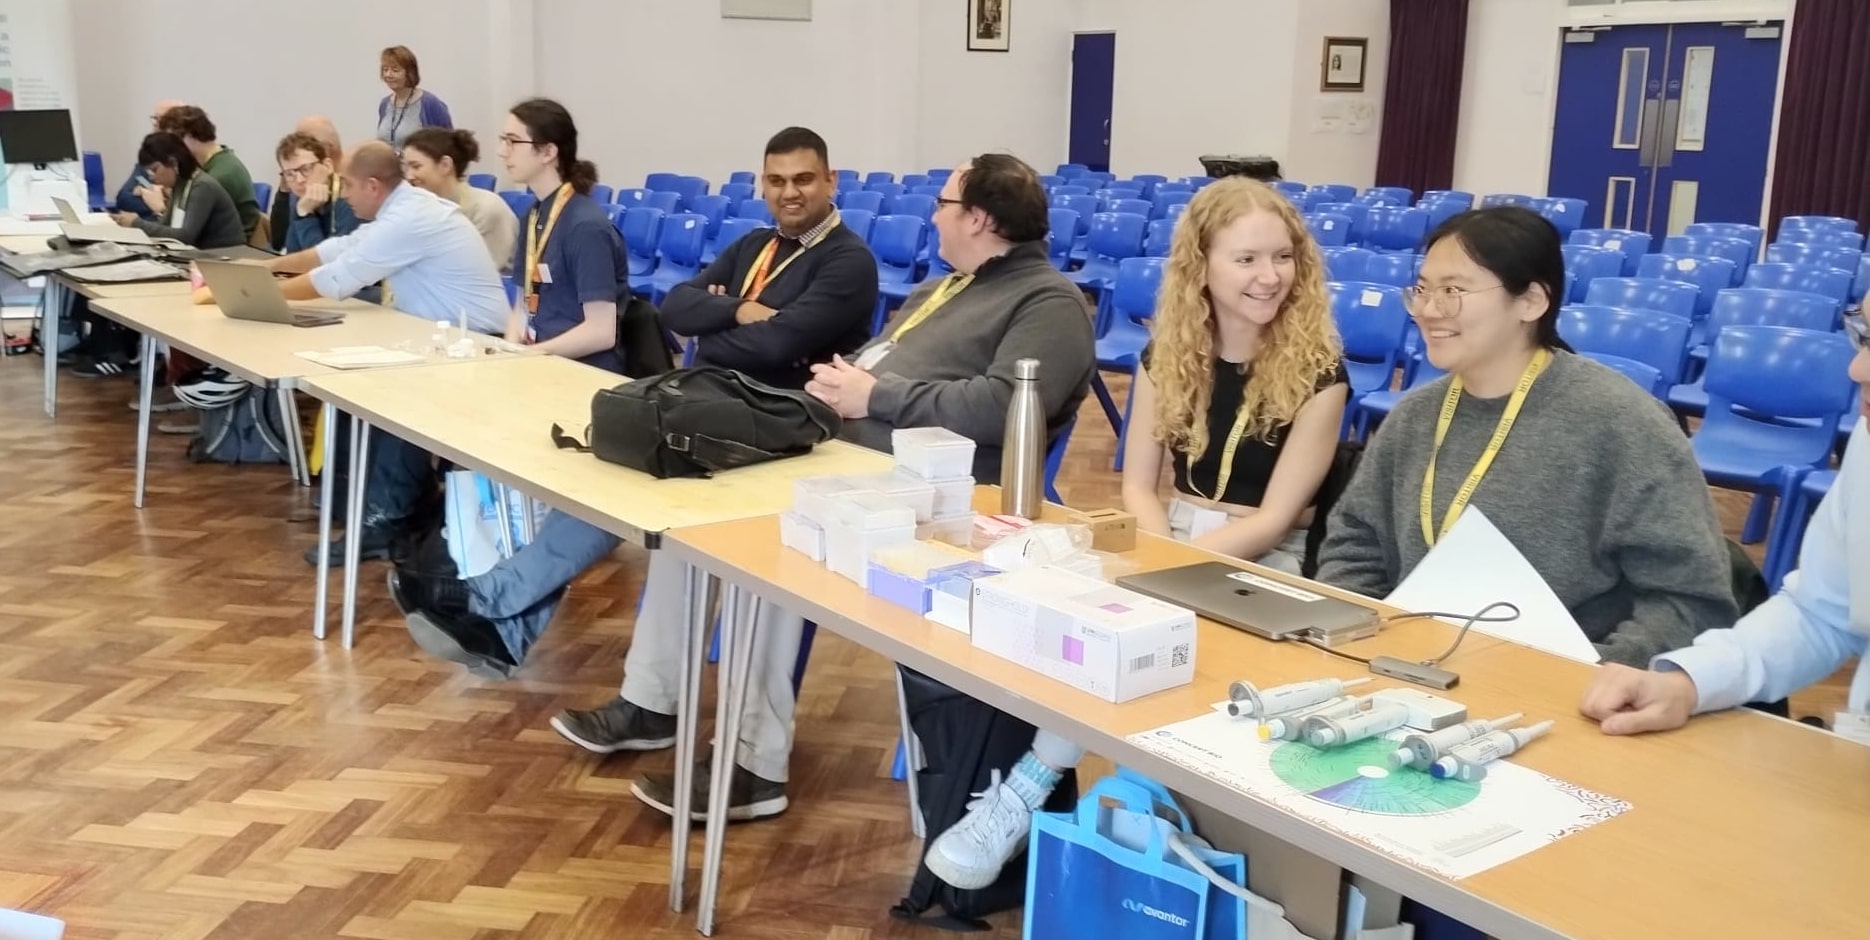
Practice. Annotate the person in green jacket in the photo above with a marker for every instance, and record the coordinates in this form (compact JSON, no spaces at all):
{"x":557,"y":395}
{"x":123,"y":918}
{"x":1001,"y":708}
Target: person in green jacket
{"x":197,"y":131}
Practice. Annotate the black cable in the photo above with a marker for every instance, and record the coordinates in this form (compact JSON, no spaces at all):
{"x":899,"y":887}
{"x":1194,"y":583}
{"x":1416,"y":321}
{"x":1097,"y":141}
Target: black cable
{"x":1467,"y":623}
{"x":1308,"y":641}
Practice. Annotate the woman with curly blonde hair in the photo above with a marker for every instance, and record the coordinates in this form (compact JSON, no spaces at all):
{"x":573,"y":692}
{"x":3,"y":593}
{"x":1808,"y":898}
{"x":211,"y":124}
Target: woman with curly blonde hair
{"x":1242,"y":386}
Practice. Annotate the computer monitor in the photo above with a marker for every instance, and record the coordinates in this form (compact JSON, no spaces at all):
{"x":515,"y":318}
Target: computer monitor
{"x":37,"y":137}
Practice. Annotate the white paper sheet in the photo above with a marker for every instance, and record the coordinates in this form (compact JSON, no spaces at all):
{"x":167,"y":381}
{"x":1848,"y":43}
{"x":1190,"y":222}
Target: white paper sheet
{"x":1451,"y":827}
{"x":1475,"y":565}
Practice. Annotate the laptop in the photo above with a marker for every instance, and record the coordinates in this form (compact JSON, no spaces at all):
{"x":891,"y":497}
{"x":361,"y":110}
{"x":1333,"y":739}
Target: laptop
{"x":249,"y":292}
{"x":78,"y":233}
{"x":1253,"y":603}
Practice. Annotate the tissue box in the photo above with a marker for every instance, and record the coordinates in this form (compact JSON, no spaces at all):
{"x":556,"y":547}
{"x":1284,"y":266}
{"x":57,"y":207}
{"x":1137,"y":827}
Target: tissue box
{"x":951,"y":593}
{"x":803,"y":535}
{"x":954,"y":497}
{"x":932,"y":453}
{"x":814,"y":497}
{"x":901,"y":574}
{"x":1114,"y":643}
{"x":861,"y":523}
{"x":905,"y":488}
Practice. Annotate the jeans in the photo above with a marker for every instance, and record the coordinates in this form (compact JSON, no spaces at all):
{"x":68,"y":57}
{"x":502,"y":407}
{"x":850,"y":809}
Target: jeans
{"x":399,"y":475}
{"x":521,"y":593}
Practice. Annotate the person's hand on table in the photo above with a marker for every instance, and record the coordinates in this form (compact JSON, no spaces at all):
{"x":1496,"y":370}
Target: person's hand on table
{"x":125,"y":219}
{"x":1623,"y":700}
{"x":202,"y":295}
{"x":843,"y":386}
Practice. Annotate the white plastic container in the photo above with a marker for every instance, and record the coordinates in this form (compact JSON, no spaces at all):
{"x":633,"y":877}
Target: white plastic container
{"x":932,"y":453}
{"x":19,"y":925}
{"x":905,"y":487}
{"x":861,"y":523}
{"x":814,"y":497}
{"x":802,"y":535}
{"x":954,"y":498}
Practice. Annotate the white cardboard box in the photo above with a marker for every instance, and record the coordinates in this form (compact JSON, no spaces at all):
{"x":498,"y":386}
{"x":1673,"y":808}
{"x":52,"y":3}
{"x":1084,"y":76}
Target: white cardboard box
{"x":1106,"y":640}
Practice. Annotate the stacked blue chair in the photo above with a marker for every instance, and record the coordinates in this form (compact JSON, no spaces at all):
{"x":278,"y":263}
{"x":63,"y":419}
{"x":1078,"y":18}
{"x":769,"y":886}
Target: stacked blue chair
{"x":1643,"y":374}
{"x":1161,"y":236}
{"x":713,"y":208}
{"x":1860,"y":287}
{"x":1335,"y":192}
{"x":1387,"y":196}
{"x":922,"y":207}
{"x":1329,"y":229}
{"x":1086,"y":206}
{"x":1658,"y":340}
{"x":641,"y":227}
{"x":1799,"y":493}
{"x":1739,"y":251}
{"x":1396,"y":270}
{"x":736,"y":194}
{"x":742,"y":177}
{"x":1049,"y":180}
{"x":689,"y":188}
{"x":1633,"y":244}
{"x":1814,"y":279}
{"x":1822,"y":237}
{"x":1370,"y":409}
{"x":1070,"y":189}
{"x":1819,"y":223}
{"x":1150,"y":181}
{"x":631,"y":198}
{"x":1441,"y":210}
{"x":936,"y":268}
{"x":1142,"y":207}
{"x":912,"y":180}
{"x":1060,"y":236}
{"x":1590,"y":264}
{"x":263,"y":194}
{"x":1460,"y":198}
{"x":1775,"y":396}
{"x":1345,"y":263}
{"x":96,"y":188}
{"x":668,"y":201}
{"x":755,"y":209}
{"x":1290,"y":189}
{"x":848,"y":179}
{"x":1351,"y":210}
{"x":1395,"y":228}
{"x":931,"y":190}
{"x":1496,"y":200}
{"x":859,"y":221}
{"x":1371,"y":320}
{"x":613,"y":212}
{"x":1165,"y":198}
{"x":519,"y":200}
{"x":660,"y":182}
{"x":897,"y":241}
{"x":1100,"y":178}
{"x":1175,"y":212}
{"x":1763,"y":306}
{"x":1566,"y":215}
{"x":940,"y":174}
{"x":879,"y":176}
{"x":1069,"y":170}
{"x":889,"y":190}
{"x":1121,"y":191}
{"x":1195,"y":183}
{"x":733,"y":230}
{"x":1709,"y":275}
{"x":1751,"y":234}
{"x":1133,"y":300}
{"x":485,"y":181}
{"x":601,"y":194}
{"x":1838,"y":258}
{"x":1635,"y":293}
{"x":678,"y":252}
{"x":862,"y":200}
{"x":1114,"y":236}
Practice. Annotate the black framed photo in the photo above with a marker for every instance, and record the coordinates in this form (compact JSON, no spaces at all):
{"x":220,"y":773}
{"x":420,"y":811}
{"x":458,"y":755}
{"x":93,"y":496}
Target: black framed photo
{"x":989,"y":25}
{"x":1343,"y":67}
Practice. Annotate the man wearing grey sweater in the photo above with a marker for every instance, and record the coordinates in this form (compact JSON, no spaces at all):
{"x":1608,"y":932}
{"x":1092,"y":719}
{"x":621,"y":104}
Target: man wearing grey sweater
{"x":1596,"y":487}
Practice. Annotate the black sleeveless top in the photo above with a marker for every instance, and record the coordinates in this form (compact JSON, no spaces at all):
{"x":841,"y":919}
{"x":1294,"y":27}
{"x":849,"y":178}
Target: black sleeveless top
{"x":1254,"y":459}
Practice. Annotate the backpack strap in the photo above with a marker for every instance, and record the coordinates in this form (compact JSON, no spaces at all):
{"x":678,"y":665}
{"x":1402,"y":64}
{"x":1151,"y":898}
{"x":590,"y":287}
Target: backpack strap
{"x":715,"y":454}
{"x":565,"y":441}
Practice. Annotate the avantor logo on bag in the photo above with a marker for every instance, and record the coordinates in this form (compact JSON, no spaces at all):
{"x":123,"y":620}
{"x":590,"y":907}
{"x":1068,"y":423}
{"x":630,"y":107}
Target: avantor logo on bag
{"x":1131,"y":904}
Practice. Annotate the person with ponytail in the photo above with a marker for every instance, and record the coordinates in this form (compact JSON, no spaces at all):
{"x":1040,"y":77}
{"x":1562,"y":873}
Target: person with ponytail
{"x":569,"y":261}
{"x":1583,"y":471}
{"x":437,"y":159}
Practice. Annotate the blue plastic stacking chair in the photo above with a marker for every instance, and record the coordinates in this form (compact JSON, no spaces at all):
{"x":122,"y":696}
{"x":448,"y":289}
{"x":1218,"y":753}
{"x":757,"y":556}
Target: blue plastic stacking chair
{"x":1815,"y":279}
{"x":1709,"y":275}
{"x":1634,"y":245}
{"x":486,"y":181}
{"x":1652,"y":337}
{"x":519,"y":200}
{"x":1132,"y":301}
{"x":897,"y":241}
{"x":1396,"y":270}
{"x":1590,"y":263}
{"x":862,"y":201}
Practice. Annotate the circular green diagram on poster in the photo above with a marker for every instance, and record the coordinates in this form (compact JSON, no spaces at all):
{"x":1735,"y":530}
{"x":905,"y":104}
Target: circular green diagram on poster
{"x":1358,"y":777}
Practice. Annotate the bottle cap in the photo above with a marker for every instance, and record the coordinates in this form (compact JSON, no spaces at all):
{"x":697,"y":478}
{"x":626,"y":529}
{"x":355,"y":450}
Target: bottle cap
{"x":1026,"y":369}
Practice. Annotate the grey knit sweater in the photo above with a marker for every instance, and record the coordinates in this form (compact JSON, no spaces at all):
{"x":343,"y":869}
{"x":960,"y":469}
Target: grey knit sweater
{"x":1596,"y":486}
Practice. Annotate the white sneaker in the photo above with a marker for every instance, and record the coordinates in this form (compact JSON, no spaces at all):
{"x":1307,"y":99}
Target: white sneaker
{"x":972,"y":852}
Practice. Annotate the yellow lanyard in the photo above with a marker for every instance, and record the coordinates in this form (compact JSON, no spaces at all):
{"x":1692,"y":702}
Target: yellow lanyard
{"x":951,"y":286}
{"x":536,"y":241}
{"x":758,"y":276}
{"x":1449,"y":402}
{"x":1226,"y":472}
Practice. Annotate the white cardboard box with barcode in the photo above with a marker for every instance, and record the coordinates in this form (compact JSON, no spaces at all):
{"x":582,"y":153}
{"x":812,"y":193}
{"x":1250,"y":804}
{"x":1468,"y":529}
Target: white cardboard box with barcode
{"x":1106,"y":640}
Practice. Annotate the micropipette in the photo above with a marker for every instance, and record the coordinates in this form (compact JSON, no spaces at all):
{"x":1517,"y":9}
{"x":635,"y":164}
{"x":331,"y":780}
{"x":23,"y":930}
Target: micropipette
{"x":1424,"y":748}
{"x":1245,"y":701}
{"x":1326,"y":732}
{"x":1469,"y":761}
{"x":1286,"y":727}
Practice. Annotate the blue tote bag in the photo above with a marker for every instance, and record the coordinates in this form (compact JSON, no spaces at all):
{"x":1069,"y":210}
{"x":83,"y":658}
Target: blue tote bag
{"x":1104,"y":872}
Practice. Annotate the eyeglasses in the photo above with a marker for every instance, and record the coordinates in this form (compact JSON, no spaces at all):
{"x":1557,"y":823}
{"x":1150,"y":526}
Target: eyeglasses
{"x":1444,"y":301}
{"x":299,"y":172}
{"x":508,"y":141}
{"x":1859,"y":330}
{"x":941,"y":201}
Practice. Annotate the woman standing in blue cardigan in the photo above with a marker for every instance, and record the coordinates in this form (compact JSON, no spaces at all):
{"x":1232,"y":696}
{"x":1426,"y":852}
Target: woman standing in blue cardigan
{"x":407,"y":108}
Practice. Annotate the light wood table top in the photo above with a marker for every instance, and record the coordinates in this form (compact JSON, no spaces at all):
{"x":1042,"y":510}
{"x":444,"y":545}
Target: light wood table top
{"x":263,"y":352}
{"x":1743,"y":825}
{"x":496,"y":417}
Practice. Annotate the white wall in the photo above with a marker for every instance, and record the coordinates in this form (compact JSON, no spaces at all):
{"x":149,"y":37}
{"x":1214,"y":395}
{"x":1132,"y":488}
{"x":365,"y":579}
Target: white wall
{"x":267,"y":65}
{"x":1507,"y":96}
{"x":974,"y":102}
{"x":1345,"y":155}
{"x":1197,"y":77}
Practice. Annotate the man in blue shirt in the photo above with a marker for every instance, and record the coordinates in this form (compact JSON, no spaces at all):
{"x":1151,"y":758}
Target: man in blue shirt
{"x":436,"y":267}
{"x":1817,"y":622}
{"x":569,"y":259}
{"x":319,"y":209}
{"x":130,"y":195}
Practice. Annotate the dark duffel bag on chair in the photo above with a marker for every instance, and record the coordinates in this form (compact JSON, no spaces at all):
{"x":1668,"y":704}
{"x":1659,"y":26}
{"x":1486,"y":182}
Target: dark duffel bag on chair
{"x":697,"y":422}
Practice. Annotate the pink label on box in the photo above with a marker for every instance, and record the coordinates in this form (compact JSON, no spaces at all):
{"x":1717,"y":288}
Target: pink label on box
{"x":1074,"y":651}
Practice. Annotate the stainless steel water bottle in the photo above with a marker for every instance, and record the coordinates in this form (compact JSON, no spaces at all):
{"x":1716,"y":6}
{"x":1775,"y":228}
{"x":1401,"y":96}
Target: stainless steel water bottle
{"x":1022,"y":453}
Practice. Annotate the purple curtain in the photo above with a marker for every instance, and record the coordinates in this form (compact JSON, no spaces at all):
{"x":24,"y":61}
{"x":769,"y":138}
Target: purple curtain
{"x":1823,"y":162}
{"x":1422,"y":94}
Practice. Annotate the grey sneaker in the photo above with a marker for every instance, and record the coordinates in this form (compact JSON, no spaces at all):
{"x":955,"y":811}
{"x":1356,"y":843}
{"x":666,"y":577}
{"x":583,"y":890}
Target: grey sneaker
{"x":618,"y":726}
{"x":749,"y":796}
{"x":162,"y":399}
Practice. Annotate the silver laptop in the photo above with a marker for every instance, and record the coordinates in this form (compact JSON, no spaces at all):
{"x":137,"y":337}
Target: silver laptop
{"x":1252,"y":602}
{"x":79,"y":233}
{"x":249,"y":292}
{"x":66,"y":213}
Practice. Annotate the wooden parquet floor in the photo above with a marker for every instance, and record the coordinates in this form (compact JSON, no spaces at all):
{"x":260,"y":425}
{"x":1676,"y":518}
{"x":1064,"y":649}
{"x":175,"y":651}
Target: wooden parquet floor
{"x":179,"y":759}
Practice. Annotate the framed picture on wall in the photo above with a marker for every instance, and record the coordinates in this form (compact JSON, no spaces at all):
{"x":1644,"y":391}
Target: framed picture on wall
{"x":989,"y":25}
{"x":1343,"y":68}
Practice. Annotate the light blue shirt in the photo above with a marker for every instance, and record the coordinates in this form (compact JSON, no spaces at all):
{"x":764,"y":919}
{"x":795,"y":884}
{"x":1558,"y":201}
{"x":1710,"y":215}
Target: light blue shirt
{"x":1819,"y":619}
{"x":434,"y":259}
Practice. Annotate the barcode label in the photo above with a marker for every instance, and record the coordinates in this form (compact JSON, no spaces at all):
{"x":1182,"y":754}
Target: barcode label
{"x":1179,"y":655}
{"x":1141,"y":663}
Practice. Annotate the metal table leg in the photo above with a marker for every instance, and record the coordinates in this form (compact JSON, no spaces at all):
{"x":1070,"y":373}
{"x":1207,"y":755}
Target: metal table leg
{"x":322,"y":593}
{"x":738,"y":629}
{"x":142,"y":415}
{"x":354,"y":525}
{"x":697,"y":589}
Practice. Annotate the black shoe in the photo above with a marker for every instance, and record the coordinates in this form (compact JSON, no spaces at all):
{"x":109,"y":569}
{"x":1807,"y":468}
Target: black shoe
{"x":105,"y":367}
{"x":375,"y":547}
{"x":618,"y":726}
{"x":467,"y":639}
{"x":414,"y":592}
{"x":749,"y":796}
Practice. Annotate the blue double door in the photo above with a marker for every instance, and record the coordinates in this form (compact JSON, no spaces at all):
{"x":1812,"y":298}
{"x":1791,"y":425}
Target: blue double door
{"x":1658,"y":126}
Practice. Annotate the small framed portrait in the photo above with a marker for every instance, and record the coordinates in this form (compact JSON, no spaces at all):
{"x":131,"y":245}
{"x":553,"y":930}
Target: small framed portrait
{"x":1343,"y":68}
{"x":989,"y":25}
